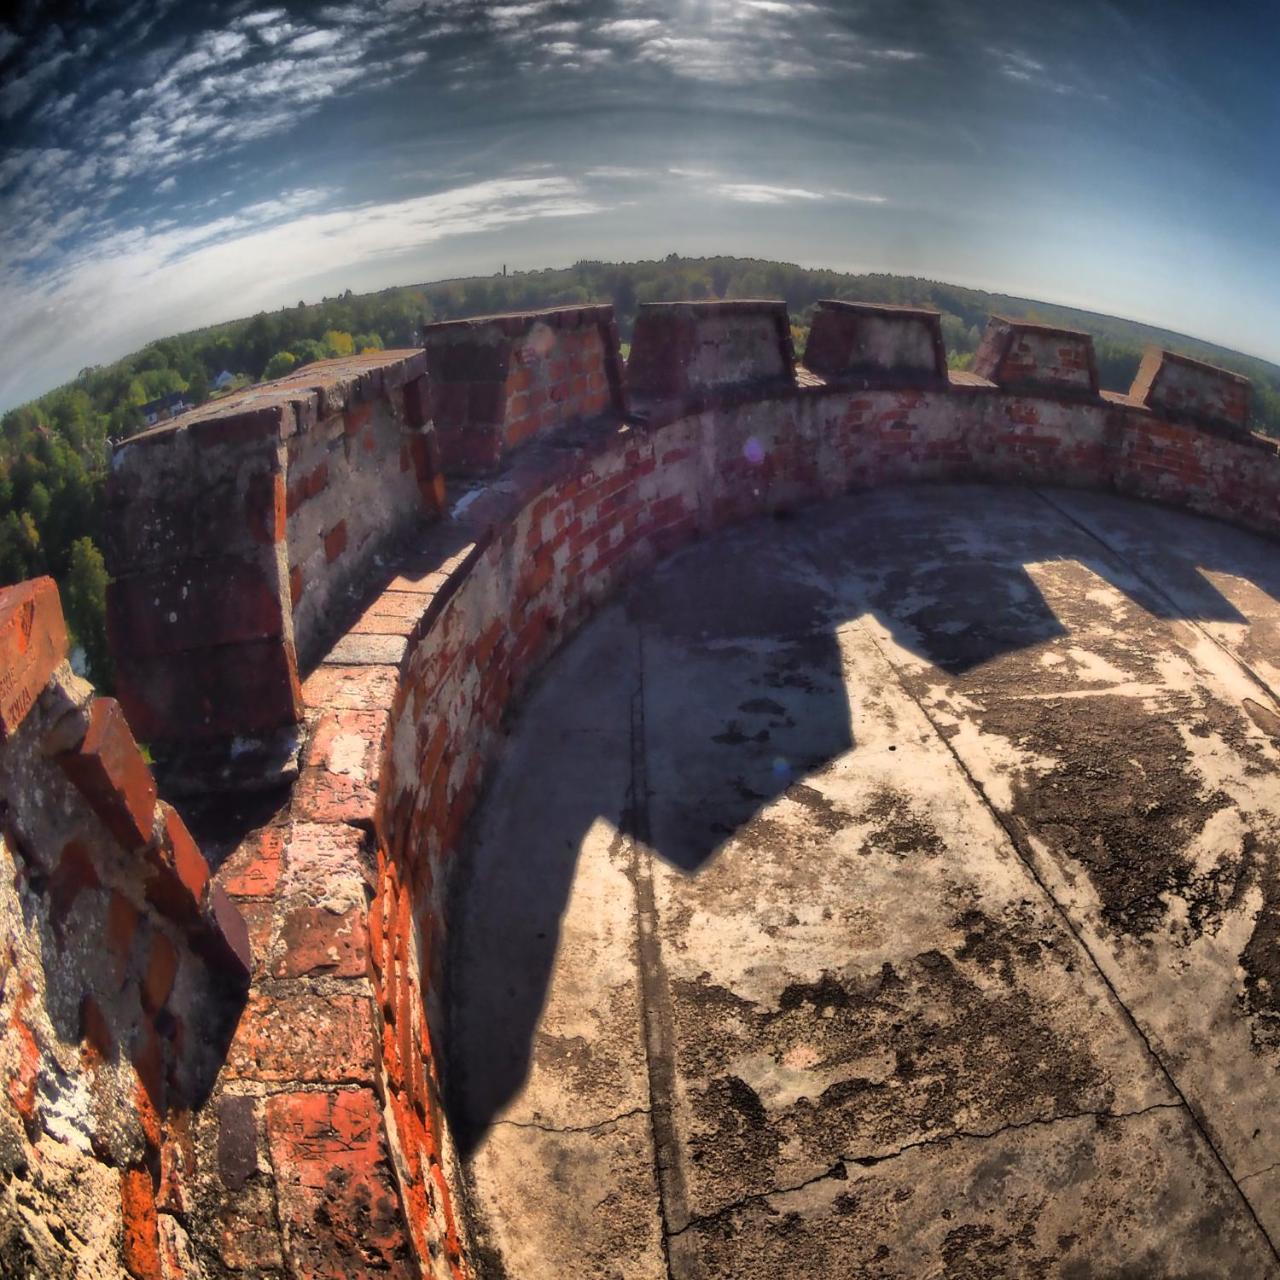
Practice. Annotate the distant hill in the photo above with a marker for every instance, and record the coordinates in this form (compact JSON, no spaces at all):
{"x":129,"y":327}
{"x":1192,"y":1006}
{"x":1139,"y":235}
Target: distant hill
{"x":53,"y":450}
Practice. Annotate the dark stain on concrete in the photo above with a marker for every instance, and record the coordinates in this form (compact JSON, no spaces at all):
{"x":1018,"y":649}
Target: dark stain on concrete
{"x":899,"y":827}
{"x":827,"y":815}
{"x":1260,"y":958}
{"x":1122,"y":801}
{"x":931,"y":1049}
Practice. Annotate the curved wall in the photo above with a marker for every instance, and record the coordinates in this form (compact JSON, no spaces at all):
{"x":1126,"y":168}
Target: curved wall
{"x":322,"y":1149}
{"x":565,"y":526}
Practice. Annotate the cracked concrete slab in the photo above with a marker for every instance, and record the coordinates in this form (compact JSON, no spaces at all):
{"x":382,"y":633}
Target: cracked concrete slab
{"x":1078,"y":1198}
{"x":930,"y":830}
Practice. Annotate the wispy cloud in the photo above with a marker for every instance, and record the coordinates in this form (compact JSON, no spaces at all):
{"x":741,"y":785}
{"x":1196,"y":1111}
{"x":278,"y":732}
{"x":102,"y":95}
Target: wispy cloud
{"x":112,"y":295}
{"x":759,"y":193}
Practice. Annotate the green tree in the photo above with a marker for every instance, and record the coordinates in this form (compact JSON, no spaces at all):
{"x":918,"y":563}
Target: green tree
{"x":85,"y":596}
{"x":198,"y":385}
{"x":338,"y":343}
{"x":279,"y":365}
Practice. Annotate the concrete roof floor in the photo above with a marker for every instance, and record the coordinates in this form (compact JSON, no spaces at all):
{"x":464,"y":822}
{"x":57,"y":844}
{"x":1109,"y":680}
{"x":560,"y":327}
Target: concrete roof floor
{"x":891,"y":890}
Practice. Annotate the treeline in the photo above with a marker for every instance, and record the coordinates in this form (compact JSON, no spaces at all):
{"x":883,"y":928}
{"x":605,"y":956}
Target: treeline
{"x":53,"y":451}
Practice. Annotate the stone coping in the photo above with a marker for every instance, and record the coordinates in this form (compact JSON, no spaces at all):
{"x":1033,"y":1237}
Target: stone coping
{"x":297,"y":401}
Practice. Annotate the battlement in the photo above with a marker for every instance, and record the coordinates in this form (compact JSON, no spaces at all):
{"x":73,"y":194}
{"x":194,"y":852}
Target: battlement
{"x":688,"y":353}
{"x":367,"y":562}
{"x":1187,"y":390}
{"x":876,"y":344}
{"x":500,"y":380}
{"x":237,"y":531}
{"x":1018,"y":356}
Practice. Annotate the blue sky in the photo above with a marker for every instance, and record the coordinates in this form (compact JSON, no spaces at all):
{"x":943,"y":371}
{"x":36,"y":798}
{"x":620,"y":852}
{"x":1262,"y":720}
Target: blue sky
{"x":166,"y":165}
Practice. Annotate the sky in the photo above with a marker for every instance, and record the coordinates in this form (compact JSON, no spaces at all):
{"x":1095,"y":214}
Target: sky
{"x":166,"y":165}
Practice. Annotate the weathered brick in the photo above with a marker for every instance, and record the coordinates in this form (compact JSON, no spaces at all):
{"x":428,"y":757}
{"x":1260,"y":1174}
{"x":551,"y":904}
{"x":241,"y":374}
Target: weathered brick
{"x":179,"y":872}
{"x":359,"y":688}
{"x":225,"y":941}
{"x":141,"y":1245}
{"x":339,"y":776}
{"x":162,"y":968}
{"x":253,"y":870}
{"x":95,"y":1031}
{"x":303,"y":1037}
{"x":73,"y":874}
{"x":33,"y":641}
{"x":315,"y":941}
{"x":112,"y":775}
{"x":335,"y":1184}
{"x":237,"y":1147}
{"x":266,"y":507}
{"x":335,"y":541}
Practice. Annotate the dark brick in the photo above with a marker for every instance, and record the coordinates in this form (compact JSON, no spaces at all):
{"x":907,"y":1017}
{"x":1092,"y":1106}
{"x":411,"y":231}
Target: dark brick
{"x":237,"y":1141}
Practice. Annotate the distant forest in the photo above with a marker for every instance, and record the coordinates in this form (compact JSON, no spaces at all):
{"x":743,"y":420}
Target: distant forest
{"x":53,"y":451}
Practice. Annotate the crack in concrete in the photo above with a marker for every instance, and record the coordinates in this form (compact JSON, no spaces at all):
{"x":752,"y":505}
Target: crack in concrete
{"x":840,"y":1170}
{"x":573,"y":1128}
{"x":1257,"y":1173}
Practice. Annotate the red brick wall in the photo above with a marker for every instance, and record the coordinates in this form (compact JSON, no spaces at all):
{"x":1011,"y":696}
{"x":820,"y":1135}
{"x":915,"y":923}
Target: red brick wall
{"x":122,"y":971}
{"x":236,"y":530}
{"x":566,"y":528}
{"x":498,"y":381}
{"x":323,"y":1148}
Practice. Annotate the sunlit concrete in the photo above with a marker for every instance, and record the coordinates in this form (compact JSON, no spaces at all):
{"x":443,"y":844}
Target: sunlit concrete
{"x":889,"y":890}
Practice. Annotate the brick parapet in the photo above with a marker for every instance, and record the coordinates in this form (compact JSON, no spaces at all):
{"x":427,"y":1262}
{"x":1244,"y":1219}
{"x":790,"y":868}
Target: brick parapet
{"x":123,"y":966}
{"x":237,"y":532}
{"x":324,"y":1148}
{"x":688,"y":355}
{"x":1191,"y":391}
{"x":498,"y":381}
{"x":877,"y":344}
{"x":1026,"y":358}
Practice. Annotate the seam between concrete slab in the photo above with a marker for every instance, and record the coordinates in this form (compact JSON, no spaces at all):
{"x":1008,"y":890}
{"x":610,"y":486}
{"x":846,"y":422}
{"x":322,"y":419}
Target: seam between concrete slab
{"x":840,"y":1172}
{"x":655,"y":993}
{"x":1028,"y":862}
{"x":1154,"y":587}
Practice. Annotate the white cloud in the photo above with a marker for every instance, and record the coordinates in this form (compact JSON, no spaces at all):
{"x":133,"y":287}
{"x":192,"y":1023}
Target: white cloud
{"x":260,"y":19}
{"x":617,"y":171}
{"x":167,"y":184}
{"x":313,"y":41}
{"x":118,"y":293}
{"x":628,"y":28}
{"x":760,"y":193}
